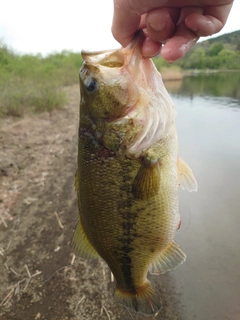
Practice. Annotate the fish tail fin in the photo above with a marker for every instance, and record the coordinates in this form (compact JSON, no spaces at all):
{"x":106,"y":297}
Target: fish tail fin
{"x":145,"y":300}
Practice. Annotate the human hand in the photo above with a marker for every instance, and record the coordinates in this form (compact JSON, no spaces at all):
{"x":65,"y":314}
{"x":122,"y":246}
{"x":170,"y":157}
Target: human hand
{"x":177,"y":23}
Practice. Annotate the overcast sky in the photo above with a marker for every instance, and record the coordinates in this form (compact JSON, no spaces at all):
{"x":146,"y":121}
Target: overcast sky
{"x":33,"y":26}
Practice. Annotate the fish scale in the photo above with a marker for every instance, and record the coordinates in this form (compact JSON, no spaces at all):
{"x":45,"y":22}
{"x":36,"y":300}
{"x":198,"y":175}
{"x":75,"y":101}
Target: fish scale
{"x":128,"y":176}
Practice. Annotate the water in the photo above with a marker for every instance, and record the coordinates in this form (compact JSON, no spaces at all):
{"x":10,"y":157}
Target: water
{"x":207,"y":285}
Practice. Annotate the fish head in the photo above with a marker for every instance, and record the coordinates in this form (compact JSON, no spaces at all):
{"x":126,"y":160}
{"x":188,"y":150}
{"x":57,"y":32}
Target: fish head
{"x":105,"y":85}
{"x":121,"y":85}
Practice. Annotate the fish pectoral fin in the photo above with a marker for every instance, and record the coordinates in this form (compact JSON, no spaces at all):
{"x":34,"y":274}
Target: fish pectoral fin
{"x":186,"y":178}
{"x":168,"y":259}
{"x":81,"y":245}
{"x":147,"y":181}
{"x":145,"y":299}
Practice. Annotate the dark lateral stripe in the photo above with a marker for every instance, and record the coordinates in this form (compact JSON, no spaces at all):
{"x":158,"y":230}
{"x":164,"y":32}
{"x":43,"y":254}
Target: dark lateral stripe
{"x":126,"y":249}
{"x":128,"y":226}
{"x":126,"y":268}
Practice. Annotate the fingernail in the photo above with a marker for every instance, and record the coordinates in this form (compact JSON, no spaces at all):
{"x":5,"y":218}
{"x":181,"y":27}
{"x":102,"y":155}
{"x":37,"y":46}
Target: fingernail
{"x":158,"y":26}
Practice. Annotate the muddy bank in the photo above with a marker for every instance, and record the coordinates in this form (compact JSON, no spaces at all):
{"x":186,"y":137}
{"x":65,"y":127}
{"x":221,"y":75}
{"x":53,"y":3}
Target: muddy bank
{"x":39,"y":277}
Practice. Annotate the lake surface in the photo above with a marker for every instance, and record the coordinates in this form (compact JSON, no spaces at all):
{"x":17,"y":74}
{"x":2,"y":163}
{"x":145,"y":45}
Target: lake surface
{"x":207,"y":285}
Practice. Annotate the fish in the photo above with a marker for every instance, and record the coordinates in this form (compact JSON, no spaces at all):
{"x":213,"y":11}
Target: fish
{"x":129,"y":172}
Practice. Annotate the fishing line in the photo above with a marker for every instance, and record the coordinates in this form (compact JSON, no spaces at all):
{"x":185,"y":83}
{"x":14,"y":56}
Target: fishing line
{"x":67,"y":266}
{"x":188,"y":214}
{"x":128,"y":311}
{"x":189,"y":219}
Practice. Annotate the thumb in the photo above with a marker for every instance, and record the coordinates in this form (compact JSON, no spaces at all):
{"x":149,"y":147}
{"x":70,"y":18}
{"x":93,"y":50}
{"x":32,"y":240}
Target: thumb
{"x":125,"y":22}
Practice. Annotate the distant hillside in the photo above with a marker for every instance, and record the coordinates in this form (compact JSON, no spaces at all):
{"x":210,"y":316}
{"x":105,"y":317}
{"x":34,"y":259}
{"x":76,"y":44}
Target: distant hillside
{"x":229,"y":40}
{"x":220,"y":53}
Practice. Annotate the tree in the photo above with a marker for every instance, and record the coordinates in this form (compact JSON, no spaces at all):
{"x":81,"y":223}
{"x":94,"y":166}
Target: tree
{"x":215,"y":49}
{"x":196,"y":60}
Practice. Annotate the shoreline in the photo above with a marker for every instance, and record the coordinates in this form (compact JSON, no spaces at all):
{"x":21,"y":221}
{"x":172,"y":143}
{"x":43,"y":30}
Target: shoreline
{"x":176,"y":74}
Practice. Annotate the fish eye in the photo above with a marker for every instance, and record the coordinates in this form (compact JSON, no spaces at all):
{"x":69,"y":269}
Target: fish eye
{"x":90,"y":85}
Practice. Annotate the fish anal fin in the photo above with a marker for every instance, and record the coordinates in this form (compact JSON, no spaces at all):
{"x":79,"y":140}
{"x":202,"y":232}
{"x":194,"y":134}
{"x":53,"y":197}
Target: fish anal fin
{"x":145,"y":300}
{"x":81,"y":245}
{"x":186,"y":178}
{"x":171,"y":257}
{"x":147,"y":181}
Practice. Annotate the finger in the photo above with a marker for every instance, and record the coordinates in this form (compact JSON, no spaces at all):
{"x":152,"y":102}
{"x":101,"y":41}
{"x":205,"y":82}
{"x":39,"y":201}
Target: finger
{"x":211,"y":22}
{"x":203,"y":25}
{"x":143,"y":24}
{"x":161,"y":23}
{"x":182,"y":40}
{"x":125,"y":22}
{"x":150,"y":48}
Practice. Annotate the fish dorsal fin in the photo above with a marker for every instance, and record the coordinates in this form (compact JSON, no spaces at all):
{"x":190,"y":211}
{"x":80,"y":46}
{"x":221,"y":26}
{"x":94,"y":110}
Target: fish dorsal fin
{"x":147,"y":181}
{"x":81,"y":245}
{"x":168,"y":259}
{"x":186,"y":178}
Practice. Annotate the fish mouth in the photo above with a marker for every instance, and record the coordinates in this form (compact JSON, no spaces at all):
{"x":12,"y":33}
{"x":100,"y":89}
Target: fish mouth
{"x":117,"y":58}
{"x":96,"y":57}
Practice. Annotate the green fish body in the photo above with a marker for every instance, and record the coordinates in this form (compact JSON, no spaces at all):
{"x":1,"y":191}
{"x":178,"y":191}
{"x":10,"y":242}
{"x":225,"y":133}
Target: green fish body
{"x":128,"y":173}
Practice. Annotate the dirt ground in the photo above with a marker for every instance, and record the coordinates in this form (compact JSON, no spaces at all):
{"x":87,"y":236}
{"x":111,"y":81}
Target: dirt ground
{"x":40,"y":278}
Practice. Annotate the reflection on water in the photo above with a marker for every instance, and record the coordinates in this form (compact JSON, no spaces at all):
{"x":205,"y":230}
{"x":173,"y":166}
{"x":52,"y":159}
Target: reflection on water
{"x":223,"y":84}
{"x":207,"y":285}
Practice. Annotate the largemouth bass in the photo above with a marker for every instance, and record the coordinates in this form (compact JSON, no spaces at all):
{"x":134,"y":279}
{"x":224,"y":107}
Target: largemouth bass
{"x":128,"y":173}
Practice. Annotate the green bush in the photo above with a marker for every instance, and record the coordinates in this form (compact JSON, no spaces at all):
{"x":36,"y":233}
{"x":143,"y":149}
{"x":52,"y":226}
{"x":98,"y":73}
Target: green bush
{"x":34,"y":83}
{"x":215,"y":57}
{"x":18,"y":96}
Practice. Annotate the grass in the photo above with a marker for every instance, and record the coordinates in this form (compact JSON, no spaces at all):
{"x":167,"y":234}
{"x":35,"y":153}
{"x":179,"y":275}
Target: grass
{"x":171,"y":73}
{"x":168,"y":72}
{"x":18,"y":96}
{"x":32,"y":83}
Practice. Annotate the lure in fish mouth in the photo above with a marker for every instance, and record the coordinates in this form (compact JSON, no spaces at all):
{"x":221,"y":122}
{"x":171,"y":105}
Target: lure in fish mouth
{"x":128,"y":172}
